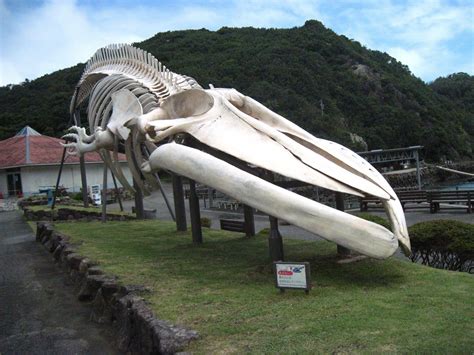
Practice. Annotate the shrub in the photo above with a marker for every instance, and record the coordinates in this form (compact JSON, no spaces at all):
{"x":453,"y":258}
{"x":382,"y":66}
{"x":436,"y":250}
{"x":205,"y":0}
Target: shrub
{"x":376,"y":219}
{"x":265,"y":232}
{"x":443,"y":244}
{"x":206,"y":222}
{"x":77,"y":196}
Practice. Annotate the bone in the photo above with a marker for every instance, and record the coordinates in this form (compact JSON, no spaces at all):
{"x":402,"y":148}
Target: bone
{"x":224,"y":119}
{"x":351,"y":232}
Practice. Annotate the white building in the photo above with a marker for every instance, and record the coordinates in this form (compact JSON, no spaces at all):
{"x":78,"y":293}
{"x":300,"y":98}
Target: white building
{"x":30,"y":161}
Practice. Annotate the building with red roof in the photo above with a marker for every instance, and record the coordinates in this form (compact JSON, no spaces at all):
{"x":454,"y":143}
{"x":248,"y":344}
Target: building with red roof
{"x":29,"y":161}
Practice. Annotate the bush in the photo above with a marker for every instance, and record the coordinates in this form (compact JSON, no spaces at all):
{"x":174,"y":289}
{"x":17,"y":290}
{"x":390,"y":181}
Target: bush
{"x":206,"y":222}
{"x":443,"y":244}
{"x":376,"y":219}
{"x":77,"y":196}
{"x":265,"y":232}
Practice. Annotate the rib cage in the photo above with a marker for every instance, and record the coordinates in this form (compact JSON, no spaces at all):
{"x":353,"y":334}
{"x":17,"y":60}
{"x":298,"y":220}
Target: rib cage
{"x":121,"y":66}
{"x":100,"y":103}
{"x":132,"y":63}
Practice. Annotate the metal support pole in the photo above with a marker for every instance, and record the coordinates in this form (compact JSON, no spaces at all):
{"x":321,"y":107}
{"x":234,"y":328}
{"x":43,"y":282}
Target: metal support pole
{"x":160,"y":185}
{"x":342,"y":251}
{"x":179,"y":208}
{"x":275,"y":242}
{"x":104,"y":195}
{"x":249,"y":221}
{"x":117,"y":191}
{"x":85,"y":196}
{"x":59,"y":178}
{"x":139,"y":211}
{"x":418,"y":173}
{"x":195,"y":213}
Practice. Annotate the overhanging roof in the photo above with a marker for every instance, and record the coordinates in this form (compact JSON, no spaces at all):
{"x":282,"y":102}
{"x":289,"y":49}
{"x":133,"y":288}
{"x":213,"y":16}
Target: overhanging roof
{"x":30,"y":148}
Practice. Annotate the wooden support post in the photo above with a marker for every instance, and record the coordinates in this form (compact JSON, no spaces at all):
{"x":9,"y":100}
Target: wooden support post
{"x":104,"y":195}
{"x":210,"y":195}
{"x":275,"y":242}
{"x":418,"y":173}
{"x":139,"y":211}
{"x":249,"y":221}
{"x":179,"y":208}
{"x":117,"y":191}
{"x":85,"y":195}
{"x":341,"y":251}
{"x":59,"y":178}
{"x":195,"y":213}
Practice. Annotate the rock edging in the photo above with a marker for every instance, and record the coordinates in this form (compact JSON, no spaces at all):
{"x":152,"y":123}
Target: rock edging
{"x":137,"y":330}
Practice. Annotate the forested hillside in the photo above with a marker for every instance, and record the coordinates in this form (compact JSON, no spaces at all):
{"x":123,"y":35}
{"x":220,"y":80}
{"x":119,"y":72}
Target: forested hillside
{"x":328,"y":84}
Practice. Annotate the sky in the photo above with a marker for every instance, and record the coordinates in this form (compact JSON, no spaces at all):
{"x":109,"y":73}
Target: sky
{"x":433,"y":37}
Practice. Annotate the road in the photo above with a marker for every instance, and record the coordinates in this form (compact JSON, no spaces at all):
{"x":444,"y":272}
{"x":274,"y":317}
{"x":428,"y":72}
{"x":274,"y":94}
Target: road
{"x":39,"y":312}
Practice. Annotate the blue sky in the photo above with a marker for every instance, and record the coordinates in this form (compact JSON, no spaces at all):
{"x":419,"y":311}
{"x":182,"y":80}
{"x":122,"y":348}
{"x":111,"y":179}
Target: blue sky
{"x":433,"y":37}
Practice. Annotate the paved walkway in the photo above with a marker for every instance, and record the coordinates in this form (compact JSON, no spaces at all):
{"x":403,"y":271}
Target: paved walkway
{"x":39,"y":313}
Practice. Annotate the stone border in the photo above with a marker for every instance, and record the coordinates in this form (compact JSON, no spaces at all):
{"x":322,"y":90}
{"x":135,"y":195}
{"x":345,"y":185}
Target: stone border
{"x":137,"y":330}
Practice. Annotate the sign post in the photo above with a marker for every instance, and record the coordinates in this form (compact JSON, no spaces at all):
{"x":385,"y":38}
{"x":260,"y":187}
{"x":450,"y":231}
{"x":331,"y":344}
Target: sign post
{"x":292,"y":275}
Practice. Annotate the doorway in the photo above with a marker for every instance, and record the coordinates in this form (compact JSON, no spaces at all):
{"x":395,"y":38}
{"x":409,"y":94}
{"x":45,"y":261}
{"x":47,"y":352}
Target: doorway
{"x":14,"y":184}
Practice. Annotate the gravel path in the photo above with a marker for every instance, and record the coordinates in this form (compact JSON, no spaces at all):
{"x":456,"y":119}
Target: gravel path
{"x":39,"y":312}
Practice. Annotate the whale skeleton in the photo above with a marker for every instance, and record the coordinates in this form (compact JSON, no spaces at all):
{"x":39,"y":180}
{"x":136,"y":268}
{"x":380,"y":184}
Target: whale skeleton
{"x":138,"y":105}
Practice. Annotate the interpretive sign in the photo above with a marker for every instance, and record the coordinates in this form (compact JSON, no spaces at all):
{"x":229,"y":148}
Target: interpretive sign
{"x":95,"y":195}
{"x":292,"y":275}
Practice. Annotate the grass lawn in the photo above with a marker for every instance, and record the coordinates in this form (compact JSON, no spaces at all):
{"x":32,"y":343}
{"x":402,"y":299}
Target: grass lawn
{"x":224,"y":289}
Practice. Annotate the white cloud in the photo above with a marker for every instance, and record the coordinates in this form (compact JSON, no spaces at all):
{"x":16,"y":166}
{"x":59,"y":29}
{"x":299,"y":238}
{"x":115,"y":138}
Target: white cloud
{"x":60,"y":33}
{"x":421,"y":34}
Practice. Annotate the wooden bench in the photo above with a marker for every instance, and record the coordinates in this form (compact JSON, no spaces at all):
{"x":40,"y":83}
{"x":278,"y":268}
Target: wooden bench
{"x":233,"y":225}
{"x":364,"y":202}
{"x":415,"y":196}
{"x":435,"y":198}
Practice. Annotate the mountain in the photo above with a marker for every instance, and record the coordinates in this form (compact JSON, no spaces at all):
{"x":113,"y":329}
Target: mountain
{"x":328,"y":84}
{"x":458,"y":89}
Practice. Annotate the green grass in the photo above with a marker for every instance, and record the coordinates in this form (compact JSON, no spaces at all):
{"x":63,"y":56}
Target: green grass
{"x":224,"y":289}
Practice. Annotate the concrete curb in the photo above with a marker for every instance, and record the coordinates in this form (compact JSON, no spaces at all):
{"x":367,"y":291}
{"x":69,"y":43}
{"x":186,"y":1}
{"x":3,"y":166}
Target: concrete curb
{"x":137,"y":329}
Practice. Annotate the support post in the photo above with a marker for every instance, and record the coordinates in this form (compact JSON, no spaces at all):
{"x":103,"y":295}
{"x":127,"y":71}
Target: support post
{"x":418,"y":174}
{"x":139,"y":211}
{"x":341,"y":251}
{"x":210,"y":194}
{"x":82,"y":163}
{"x":249,"y":221}
{"x":85,"y":195}
{"x":104,"y":195}
{"x":59,"y":178}
{"x":195,"y":213}
{"x":179,"y":208}
{"x":275,"y":242}
{"x":160,"y":185}
{"x":117,"y":191}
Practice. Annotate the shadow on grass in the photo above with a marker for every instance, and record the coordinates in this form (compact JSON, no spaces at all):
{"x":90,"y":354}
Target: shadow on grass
{"x":250,"y":256}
